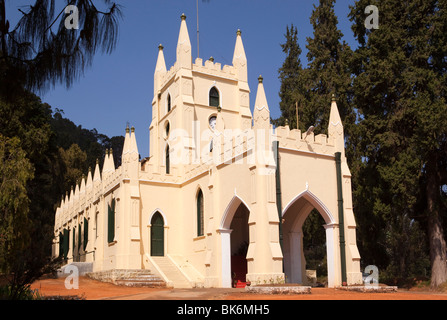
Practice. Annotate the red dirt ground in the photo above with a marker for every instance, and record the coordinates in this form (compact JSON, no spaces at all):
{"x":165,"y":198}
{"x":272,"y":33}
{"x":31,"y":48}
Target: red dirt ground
{"x":95,"y":290}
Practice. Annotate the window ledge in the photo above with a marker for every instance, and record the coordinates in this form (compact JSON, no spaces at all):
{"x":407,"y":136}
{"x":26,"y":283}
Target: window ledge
{"x":199,"y":238}
{"x":112,"y":243}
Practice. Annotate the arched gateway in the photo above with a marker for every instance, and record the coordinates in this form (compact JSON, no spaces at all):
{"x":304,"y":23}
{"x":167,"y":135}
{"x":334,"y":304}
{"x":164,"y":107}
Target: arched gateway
{"x":293,"y":217}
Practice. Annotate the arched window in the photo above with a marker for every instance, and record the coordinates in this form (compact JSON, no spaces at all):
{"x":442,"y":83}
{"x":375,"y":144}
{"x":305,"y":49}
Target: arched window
{"x":111,"y":221}
{"x":157,"y":235}
{"x":167,"y":160}
{"x":168,"y":102}
{"x":214,"y":97}
{"x":200,"y":210}
{"x":85,"y":233}
{"x":167,"y":128}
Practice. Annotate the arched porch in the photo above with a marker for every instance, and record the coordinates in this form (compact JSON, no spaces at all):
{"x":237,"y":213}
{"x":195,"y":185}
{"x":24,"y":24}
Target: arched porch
{"x":293,"y":218}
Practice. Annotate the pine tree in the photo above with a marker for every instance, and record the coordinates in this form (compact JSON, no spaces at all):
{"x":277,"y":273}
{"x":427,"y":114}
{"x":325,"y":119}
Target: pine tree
{"x":399,"y":90}
{"x":40,"y":51}
{"x":292,"y":80}
{"x":327,"y":72}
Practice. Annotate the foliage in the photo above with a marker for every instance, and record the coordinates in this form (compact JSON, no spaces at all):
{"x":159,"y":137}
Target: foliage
{"x":36,"y":169}
{"x":6,"y":292}
{"x":327,"y":71}
{"x":15,"y":172}
{"x":399,"y":88}
{"x":291,"y":77}
{"x":314,"y":243}
{"x":30,"y":172}
{"x":91,"y":142}
{"x":406,"y":249}
{"x":40,"y":50}
{"x":75,"y":161}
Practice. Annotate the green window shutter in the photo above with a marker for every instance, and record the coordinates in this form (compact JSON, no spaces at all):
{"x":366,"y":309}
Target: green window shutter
{"x":61,"y":244}
{"x":66,"y":242}
{"x":157,"y":235}
{"x":214,"y":97}
{"x":111,"y":222}
{"x":74,"y":240}
{"x":168,"y":164}
{"x":85,"y":233}
{"x":200,"y":213}
{"x":79,"y":237}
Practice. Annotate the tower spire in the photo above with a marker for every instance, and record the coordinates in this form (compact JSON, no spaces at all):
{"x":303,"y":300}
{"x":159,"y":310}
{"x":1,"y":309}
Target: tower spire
{"x":239,"y":57}
{"x":261,"y":112}
{"x":335,"y":129}
{"x":184,"y":58}
{"x":261,"y":100}
{"x":160,"y":68}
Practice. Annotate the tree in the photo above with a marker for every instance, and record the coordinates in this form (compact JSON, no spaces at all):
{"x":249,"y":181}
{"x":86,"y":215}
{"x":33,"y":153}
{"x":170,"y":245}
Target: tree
{"x":314,"y":243}
{"x":41,"y":51}
{"x":406,"y":249}
{"x":326,"y":74}
{"x":15,"y":172}
{"x":327,"y":71}
{"x":400,"y":90}
{"x":75,"y":161}
{"x":91,"y":141}
{"x":26,"y":123}
{"x":292,"y":80}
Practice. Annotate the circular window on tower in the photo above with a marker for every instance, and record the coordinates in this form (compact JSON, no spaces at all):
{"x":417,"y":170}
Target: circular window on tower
{"x":212,"y":122}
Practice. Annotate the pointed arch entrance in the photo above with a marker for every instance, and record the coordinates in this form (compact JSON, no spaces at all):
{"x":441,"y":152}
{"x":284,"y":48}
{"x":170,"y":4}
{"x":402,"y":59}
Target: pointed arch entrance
{"x":294,"y":216}
{"x":234,"y":231}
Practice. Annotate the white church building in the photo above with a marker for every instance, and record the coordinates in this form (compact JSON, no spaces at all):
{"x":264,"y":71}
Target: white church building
{"x":223,"y":195}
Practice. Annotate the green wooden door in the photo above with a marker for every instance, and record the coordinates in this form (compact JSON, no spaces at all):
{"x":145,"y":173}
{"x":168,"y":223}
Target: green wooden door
{"x":157,"y":235}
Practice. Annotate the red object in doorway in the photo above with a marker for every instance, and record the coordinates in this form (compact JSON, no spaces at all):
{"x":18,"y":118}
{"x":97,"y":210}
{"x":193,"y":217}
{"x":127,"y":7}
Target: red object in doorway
{"x":239,"y":270}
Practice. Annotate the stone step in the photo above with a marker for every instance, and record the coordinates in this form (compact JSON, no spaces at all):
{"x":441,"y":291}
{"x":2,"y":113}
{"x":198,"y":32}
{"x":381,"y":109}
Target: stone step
{"x":130,"y":278}
{"x":172,"y":272}
{"x":140,"y":283}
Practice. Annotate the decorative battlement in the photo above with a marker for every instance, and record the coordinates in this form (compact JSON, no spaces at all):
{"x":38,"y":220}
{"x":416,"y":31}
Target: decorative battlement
{"x":308,"y":142}
{"x":82,"y":197}
{"x":165,"y":78}
{"x":214,"y":69}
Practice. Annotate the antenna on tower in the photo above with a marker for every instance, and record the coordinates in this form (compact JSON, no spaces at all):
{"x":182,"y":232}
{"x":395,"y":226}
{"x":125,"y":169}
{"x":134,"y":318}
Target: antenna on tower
{"x":197,"y":5}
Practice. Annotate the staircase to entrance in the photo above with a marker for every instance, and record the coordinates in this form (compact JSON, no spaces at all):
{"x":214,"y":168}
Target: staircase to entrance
{"x":171,"y":272}
{"x":129,"y":277}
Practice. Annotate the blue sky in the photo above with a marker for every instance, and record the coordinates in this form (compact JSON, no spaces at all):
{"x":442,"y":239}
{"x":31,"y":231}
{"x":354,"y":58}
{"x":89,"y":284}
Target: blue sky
{"x":118,"y":88}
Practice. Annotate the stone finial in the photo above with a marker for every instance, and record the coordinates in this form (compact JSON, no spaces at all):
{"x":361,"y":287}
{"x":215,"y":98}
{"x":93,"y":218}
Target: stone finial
{"x":211,"y":59}
{"x":238,"y":32}
{"x":132,"y":129}
{"x":183,"y":16}
{"x":333,"y":97}
{"x":160,"y":47}
{"x":260,"y":79}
